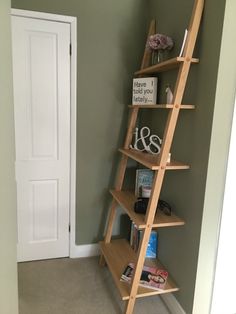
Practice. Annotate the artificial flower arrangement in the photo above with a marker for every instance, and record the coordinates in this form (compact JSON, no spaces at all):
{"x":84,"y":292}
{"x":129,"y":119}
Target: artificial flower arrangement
{"x":159,"y":43}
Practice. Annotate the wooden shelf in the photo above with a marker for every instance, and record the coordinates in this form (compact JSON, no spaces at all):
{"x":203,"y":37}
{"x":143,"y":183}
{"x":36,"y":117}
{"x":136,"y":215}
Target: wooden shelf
{"x":118,"y":254}
{"x":126,"y":199}
{"x":166,"y":65}
{"x":161,"y":106}
{"x":152,"y":161}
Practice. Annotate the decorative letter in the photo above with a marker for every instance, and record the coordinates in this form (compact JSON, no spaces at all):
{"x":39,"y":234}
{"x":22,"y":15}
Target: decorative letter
{"x":148,"y":143}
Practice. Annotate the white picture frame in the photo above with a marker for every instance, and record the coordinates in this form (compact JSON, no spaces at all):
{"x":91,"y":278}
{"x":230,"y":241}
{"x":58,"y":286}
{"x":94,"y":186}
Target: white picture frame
{"x":144,"y":91}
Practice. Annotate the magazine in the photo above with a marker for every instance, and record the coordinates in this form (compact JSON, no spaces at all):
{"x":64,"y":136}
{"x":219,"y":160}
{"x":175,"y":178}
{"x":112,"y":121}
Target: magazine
{"x":151,"y":277}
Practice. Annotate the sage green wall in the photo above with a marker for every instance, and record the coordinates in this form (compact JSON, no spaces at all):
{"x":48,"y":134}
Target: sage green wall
{"x":220,"y":137}
{"x":8,"y":270}
{"x":185,"y":190}
{"x":110,"y":44}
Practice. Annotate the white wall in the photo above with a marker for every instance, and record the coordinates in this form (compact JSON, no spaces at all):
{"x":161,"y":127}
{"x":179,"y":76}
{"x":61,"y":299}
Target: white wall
{"x":224,"y":300}
{"x":217,"y":167}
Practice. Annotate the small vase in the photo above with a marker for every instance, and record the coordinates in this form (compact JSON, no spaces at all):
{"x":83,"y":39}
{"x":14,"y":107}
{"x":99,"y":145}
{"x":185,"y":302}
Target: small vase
{"x":157,"y":56}
{"x":160,"y":56}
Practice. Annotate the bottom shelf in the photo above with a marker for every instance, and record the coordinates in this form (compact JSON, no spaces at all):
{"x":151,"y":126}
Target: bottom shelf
{"x":118,"y":254}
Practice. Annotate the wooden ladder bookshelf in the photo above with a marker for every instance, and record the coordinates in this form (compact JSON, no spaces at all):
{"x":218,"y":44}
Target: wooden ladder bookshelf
{"x":118,"y":253}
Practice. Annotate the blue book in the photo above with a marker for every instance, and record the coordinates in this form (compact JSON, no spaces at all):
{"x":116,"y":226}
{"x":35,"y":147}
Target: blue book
{"x":136,"y":236}
{"x":152,"y":245}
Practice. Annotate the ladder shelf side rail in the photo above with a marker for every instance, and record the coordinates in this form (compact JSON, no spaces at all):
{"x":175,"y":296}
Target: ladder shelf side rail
{"x":124,"y":159}
{"x":119,"y":180}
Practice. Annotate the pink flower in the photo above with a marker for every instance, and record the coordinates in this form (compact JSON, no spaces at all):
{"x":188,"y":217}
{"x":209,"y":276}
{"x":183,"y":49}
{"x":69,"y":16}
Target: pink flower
{"x":159,"y":41}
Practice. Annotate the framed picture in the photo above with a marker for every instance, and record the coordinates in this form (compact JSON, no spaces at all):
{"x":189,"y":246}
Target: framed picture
{"x":144,"y":177}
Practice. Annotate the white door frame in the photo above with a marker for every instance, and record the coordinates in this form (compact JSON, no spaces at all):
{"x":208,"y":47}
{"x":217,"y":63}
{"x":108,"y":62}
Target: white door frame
{"x":73,"y":103}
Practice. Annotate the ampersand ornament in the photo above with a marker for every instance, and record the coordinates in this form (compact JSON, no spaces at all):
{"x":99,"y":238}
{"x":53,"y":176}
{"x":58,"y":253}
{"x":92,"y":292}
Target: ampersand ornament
{"x":146,"y":141}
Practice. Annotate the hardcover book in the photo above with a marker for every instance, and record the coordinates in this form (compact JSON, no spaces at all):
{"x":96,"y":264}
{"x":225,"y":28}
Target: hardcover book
{"x":144,"y":177}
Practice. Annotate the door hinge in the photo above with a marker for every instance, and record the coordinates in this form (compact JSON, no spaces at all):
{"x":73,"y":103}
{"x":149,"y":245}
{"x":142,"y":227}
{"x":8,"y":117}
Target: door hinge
{"x":69,"y":227}
{"x":70,"y":49}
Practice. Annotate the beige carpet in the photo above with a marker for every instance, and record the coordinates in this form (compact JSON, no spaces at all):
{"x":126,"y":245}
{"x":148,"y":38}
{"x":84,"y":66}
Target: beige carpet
{"x":74,"y":286}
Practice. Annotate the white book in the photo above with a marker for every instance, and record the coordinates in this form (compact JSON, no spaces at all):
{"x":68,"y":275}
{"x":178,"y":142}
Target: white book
{"x":183,"y":44}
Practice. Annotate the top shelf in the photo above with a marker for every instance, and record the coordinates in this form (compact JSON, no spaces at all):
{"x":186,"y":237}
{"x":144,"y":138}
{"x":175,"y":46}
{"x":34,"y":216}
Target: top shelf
{"x":166,"y":65}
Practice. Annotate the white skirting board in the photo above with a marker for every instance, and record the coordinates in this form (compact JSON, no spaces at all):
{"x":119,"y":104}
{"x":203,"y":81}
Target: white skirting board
{"x":86,"y":250}
{"x":172,"y":304}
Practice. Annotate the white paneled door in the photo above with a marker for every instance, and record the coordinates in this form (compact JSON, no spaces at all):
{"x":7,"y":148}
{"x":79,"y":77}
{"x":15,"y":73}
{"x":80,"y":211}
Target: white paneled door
{"x":41,"y":71}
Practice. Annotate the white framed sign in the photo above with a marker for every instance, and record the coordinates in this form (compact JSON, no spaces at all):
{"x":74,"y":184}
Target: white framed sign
{"x":144,"y":91}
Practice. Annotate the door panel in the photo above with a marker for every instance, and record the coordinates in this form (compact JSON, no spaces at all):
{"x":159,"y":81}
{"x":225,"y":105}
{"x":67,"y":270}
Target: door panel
{"x":43,"y":106}
{"x":41,"y":75}
{"x":44,"y":210}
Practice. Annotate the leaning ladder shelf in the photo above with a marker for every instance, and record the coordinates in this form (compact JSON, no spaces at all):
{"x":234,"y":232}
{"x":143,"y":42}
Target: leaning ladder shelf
{"x":118,"y":253}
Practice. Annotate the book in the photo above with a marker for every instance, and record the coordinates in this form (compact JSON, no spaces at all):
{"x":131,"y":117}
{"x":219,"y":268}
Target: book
{"x":183,"y":44}
{"x":151,"y":277}
{"x":136,"y":236}
{"x":144,"y":91}
{"x":144,"y":177}
{"x":152,"y":248}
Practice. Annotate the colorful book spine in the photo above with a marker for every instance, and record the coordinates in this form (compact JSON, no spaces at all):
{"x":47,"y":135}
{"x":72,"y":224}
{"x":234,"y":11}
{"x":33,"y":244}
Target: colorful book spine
{"x":136,"y":237}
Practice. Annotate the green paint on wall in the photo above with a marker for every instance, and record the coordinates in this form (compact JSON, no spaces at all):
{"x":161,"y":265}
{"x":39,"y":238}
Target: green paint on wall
{"x":8,"y":274}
